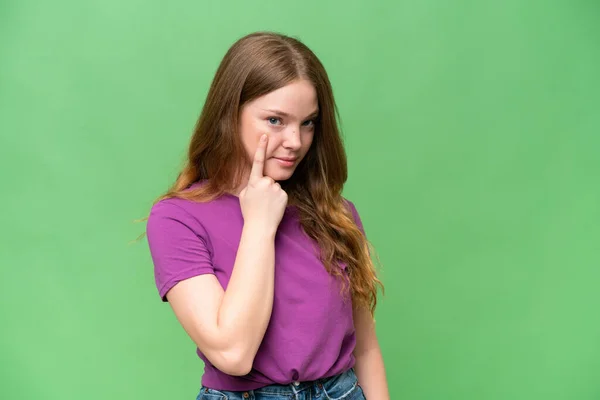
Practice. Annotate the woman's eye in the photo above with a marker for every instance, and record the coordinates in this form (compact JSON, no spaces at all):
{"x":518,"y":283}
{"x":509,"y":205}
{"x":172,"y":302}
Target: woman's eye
{"x":273,"y":120}
{"x":310,"y":123}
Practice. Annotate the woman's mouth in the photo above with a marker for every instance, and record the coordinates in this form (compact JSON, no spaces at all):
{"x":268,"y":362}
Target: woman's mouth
{"x":286,"y":161}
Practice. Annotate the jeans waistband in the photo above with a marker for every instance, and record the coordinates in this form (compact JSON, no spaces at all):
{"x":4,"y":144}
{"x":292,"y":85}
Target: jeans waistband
{"x":294,"y":388}
{"x":345,"y":379}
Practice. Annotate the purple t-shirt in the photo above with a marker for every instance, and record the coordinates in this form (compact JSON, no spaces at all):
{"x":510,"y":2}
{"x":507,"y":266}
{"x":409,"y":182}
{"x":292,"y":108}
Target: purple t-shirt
{"x":311,"y":332}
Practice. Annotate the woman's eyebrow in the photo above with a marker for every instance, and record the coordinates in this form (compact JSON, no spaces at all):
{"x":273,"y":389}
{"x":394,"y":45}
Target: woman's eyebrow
{"x":284,"y":114}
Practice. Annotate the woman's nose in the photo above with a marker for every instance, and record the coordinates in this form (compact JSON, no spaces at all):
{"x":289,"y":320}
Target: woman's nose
{"x":292,"y":138}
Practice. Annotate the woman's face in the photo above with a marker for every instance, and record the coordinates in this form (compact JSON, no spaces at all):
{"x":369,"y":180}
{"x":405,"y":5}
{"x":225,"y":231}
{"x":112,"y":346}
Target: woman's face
{"x":287,"y":115}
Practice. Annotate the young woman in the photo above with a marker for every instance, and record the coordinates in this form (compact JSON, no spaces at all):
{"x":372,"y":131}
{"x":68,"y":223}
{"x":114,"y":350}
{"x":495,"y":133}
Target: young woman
{"x":264,"y":263}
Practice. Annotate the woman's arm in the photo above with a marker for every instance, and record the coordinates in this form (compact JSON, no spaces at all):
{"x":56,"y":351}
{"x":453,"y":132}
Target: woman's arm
{"x":369,"y":365}
{"x":228,"y":326}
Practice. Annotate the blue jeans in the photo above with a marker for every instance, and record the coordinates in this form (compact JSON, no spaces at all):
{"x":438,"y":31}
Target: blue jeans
{"x":343,"y":386}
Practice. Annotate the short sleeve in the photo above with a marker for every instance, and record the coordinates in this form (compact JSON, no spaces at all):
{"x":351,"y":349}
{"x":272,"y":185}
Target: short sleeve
{"x":178,"y":246}
{"x":356,"y":216}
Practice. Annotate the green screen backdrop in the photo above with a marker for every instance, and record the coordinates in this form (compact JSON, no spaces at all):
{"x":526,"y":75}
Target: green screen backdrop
{"x":473,"y":136}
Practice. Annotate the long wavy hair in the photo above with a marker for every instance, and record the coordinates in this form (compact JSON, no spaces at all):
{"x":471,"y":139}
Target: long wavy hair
{"x":255,"y":65}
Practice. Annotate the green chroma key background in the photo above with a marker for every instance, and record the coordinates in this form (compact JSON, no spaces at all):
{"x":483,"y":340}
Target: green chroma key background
{"x":473,"y":137}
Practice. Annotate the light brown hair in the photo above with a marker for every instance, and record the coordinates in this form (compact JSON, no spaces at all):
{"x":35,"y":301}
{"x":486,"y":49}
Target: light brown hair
{"x":255,"y":65}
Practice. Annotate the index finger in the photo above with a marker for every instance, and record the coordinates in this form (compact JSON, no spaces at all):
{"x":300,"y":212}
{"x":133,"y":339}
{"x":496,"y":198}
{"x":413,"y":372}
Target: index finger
{"x":259,"y":159}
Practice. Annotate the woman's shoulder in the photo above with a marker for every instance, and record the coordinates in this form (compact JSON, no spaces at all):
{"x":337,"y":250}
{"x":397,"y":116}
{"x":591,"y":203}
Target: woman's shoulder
{"x":170,"y":212}
{"x":173,"y":216}
{"x":177,"y":205}
{"x":349,"y":204}
{"x":186,"y":208}
{"x":170,"y":206}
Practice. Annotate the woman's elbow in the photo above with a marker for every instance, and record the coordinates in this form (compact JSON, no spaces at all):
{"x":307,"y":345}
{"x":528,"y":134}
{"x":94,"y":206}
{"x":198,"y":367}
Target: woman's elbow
{"x":239,"y":369}
{"x":234,"y":363}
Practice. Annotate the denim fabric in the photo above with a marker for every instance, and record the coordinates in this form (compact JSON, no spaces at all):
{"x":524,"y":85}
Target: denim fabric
{"x":343,"y":386}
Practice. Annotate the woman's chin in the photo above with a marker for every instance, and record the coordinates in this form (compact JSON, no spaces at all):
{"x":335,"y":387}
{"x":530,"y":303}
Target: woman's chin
{"x":279,"y":175}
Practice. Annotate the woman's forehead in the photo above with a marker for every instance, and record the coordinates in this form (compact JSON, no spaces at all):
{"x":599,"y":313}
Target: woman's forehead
{"x":297,"y":99}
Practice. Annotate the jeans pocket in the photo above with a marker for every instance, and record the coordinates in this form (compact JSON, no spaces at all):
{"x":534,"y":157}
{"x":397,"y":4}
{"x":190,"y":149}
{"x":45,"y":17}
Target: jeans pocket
{"x":358,"y":394}
{"x":344,"y":386}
